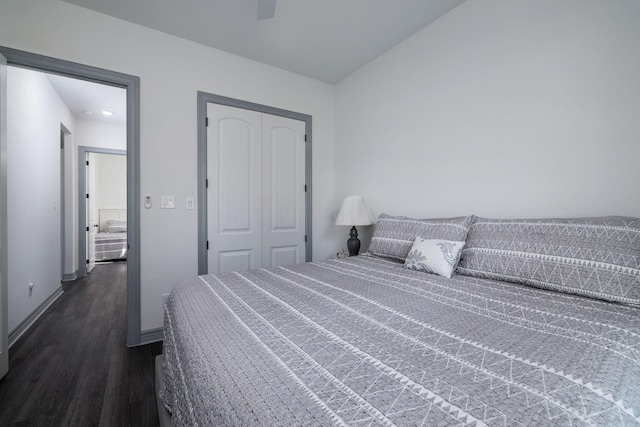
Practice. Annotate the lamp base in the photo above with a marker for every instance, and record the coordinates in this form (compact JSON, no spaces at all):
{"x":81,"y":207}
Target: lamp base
{"x":353,"y":244}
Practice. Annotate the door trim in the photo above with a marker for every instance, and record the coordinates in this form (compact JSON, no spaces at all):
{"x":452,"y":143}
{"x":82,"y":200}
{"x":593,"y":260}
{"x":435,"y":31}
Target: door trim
{"x":203,"y":99}
{"x":132,"y":85}
{"x":4,"y":282}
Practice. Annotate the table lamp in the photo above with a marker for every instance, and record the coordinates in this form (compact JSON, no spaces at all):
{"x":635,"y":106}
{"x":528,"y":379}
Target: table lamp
{"x":354,"y":212}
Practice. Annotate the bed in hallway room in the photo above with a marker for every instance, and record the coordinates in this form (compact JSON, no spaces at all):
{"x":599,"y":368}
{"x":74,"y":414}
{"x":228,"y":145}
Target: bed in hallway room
{"x":537,"y":324}
{"x":111,"y":240}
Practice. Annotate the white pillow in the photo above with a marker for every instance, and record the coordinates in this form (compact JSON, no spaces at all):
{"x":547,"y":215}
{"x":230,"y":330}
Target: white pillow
{"x":434,"y":256}
{"x":115,"y":226}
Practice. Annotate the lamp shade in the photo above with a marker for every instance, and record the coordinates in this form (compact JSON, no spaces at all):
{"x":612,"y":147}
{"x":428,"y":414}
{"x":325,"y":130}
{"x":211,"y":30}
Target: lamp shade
{"x":354,"y":212}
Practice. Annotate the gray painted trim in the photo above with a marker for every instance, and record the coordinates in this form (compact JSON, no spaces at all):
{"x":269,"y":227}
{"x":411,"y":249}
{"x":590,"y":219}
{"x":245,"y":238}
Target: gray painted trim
{"x":152,"y":335}
{"x":70,"y":277}
{"x":82,"y":199}
{"x":63,"y":214}
{"x":22,"y":327}
{"x":131,"y":83}
{"x":4,"y":276}
{"x":205,"y":98}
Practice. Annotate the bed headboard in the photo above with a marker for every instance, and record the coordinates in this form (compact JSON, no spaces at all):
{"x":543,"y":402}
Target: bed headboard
{"x":105,"y":215}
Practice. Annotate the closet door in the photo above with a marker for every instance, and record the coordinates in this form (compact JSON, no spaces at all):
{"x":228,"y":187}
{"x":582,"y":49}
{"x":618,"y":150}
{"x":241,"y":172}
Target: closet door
{"x":234,"y":201}
{"x":256,"y":191}
{"x":283,"y":191}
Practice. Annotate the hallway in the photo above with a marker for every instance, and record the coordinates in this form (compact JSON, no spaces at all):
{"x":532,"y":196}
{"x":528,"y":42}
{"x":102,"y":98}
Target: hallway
{"x":72,"y":367}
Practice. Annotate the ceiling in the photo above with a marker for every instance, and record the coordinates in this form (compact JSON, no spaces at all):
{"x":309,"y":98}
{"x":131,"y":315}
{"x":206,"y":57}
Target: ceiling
{"x":322,"y":39}
{"x":87,"y":100}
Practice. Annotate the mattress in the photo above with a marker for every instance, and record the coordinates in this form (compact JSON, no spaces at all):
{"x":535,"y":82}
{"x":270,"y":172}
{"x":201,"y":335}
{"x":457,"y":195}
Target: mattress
{"x":363,"y":341}
{"x":111,"y":246}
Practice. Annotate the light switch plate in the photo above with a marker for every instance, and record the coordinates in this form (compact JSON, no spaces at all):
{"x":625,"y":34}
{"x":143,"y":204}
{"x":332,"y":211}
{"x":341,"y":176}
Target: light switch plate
{"x":168,"y":202}
{"x":191,"y":203}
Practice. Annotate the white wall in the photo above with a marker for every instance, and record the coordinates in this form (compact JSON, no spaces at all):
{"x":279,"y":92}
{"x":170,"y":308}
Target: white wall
{"x":111,"y":181}
{"x":109,"y":186}
{"x":35,"y":113}
{"x":89,"y":133}
{"x":500,"y":108}
{"x":171,"y":71}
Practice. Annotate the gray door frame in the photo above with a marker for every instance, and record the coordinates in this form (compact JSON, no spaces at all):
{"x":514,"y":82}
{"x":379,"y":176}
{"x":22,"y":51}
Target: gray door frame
{"x":4,"y":285}
{"x":82,"y":201}
{"x":131,"y":83}
{"x":205,"y":98}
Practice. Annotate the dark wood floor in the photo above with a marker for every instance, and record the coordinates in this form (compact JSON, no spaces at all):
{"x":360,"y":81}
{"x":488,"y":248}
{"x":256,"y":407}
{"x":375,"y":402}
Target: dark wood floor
{"x":73,"y":366}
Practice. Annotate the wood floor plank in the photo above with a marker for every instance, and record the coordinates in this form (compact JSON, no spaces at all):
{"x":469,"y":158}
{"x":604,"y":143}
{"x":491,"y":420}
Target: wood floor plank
{"x":72,"y":367}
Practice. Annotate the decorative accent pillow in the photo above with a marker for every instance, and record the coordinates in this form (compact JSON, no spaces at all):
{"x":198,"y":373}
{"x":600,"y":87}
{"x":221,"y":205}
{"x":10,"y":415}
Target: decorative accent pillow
{"x":115,"y":226}
{"x":394,"y":235}
{"x":434,"y":256}
{"x":594,"y":257}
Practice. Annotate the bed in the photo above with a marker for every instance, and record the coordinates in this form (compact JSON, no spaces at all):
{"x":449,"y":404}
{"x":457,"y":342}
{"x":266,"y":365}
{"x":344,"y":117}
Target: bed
{"x":111,"y":239}
{"x":538,"y":324}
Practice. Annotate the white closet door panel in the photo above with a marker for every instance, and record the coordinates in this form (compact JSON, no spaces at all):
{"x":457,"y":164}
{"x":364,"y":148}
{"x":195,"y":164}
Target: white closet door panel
{"x":283,"y":191}
{"x":235,"y":261}
{"x":234,"y":193}
{"x":234,"y":176}
{"x":284,"y":256}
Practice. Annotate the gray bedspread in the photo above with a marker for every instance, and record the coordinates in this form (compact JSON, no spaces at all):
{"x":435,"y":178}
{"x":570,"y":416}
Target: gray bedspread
{"x":363,"y":341}
{"x":111,"y":246}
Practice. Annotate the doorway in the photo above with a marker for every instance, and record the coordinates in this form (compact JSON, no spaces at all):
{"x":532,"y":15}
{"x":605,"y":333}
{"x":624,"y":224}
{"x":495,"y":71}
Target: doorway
{"x":102,"y":213}
{"x":132,"y":86}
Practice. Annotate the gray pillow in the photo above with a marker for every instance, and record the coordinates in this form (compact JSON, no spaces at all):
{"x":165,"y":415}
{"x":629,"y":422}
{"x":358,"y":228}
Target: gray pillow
{"x":393,"y":236}
{"x":594,"y":257}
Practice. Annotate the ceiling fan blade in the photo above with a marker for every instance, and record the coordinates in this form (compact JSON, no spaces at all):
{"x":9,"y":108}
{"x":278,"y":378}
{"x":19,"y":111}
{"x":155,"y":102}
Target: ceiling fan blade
{"x":266,"y":9}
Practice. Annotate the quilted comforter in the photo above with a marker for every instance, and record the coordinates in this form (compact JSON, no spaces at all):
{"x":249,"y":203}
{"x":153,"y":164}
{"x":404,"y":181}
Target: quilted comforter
{"x":363,"y":341}
{"x":111,"y":246}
